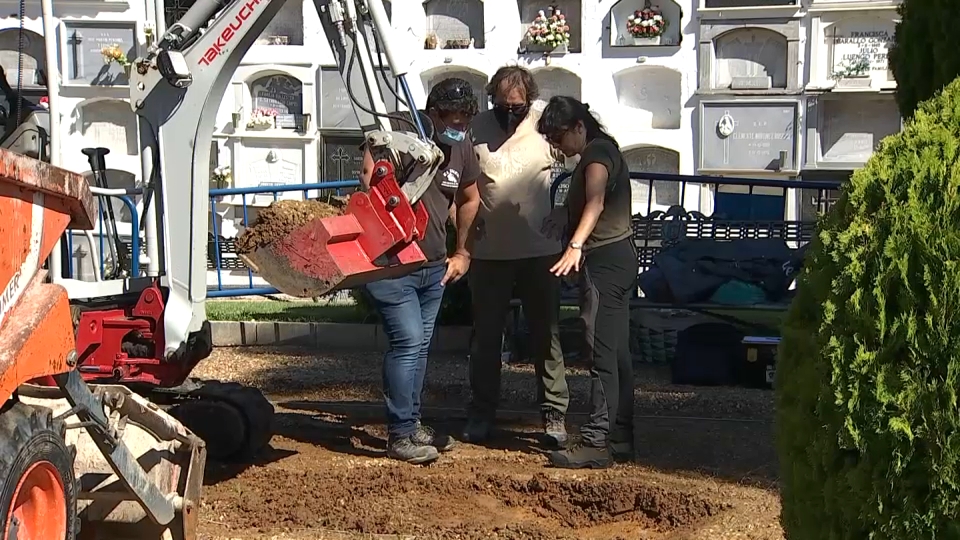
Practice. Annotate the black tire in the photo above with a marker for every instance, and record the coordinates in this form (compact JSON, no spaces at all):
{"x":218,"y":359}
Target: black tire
{"x":30,"y":436}
{"x":235,"y":421}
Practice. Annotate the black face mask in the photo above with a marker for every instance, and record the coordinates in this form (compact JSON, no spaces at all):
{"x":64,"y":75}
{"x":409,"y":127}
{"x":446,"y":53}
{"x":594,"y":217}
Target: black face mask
{"x":509,"y":119}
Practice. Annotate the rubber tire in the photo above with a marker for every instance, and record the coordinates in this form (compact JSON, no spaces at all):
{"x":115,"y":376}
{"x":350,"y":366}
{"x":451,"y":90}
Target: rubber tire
{"x":29,"y":435}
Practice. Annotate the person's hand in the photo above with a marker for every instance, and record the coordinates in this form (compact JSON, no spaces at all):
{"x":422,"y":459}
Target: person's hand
{"x":457,"y":267}
{"x":569,"y":261}
{"x":554,"y":224}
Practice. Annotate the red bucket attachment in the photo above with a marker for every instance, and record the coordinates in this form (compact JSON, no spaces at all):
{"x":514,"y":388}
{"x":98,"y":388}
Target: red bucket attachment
{"x":375,"y":239}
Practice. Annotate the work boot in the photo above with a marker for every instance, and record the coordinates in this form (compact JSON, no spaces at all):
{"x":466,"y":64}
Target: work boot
{"x":581,"y":457}
{"x":410,"y":451}
{"x":554,"y":428}
{"x":428,"y":437}
{"x":622,"y":452}
{"x":477,"y":430}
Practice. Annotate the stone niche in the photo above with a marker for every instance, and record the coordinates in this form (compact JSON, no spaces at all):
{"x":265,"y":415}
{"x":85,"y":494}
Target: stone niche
{"x":571,"y":10}
{"x":109,"y":123}
{"x":653,"y":92}
{"x":336,"y":108}
{"x":844,"y":131}
{"x":622,"y":10}
{"x":758,"y":136}
{"x":274,"y":163}
{"x":340,"y":157}
{"x":33,"y":67}
{"x":282,"y":94}
{"x":477,"y":80}
{"x":86,"y":41}
{"x":857,"y":51}
{"x":555,"y":81}
{"x":286,"y":28}
{"x":454,"y":24}
{"x":654,"y":159}
{"x":749,"y":57}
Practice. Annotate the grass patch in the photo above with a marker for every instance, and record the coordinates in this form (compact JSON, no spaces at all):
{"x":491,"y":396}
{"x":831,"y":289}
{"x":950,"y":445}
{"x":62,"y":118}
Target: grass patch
{"x":279,"y":311}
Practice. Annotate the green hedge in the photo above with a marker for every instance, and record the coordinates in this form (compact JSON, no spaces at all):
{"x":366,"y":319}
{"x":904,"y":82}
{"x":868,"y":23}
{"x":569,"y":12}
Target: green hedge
{"x":869,"y":368}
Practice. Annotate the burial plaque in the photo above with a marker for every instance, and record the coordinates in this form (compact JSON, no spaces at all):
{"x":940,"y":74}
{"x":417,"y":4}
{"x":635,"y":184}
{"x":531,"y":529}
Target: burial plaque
{"x":853,"y":128}
{"x":281,"y":94}
{"x":652,"y":89}
{"x":455,"y":22}
{"x":86,"y":42}
{"x":859,"y":47}
{"x":557,"y":82}
{"x":653,"y":159}
{"x":751,"y":58}
{"x":748,"y":136}
{"x":337,"y":110}
{"x":342,"y":158}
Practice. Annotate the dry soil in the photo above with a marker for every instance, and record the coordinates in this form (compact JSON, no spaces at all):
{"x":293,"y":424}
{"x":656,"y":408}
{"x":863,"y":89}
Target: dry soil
{"x":705,"y":466}
{"x":281,"y":218}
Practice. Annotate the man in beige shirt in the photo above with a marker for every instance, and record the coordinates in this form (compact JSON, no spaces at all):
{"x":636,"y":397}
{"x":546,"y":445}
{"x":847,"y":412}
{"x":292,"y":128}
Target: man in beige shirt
{"x":511,"y":254}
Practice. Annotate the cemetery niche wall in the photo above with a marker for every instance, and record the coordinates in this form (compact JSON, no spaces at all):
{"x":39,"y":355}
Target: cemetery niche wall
{"x":270,"y":163}
{"x":652,"y":93}
{"x":628,"y":29}
{"x":748,"y":136}
{"x":856,"y":51}
{"x":844,"y":130}
{"x":749,"y":56}
{"x":98,"y":53}
{"x":454,"y":24}
{"x":557,"y":81}
{"x":653,"y":159}
{"x":335,"y":106}
{"x":33,"y":67}
{"x":286,"y":28}
{"x":281,"y":96}
{"x":478,"y":81}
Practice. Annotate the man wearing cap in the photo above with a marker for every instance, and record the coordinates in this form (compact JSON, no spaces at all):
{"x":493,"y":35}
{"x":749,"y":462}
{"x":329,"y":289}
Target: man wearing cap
{"x":408,"y":305}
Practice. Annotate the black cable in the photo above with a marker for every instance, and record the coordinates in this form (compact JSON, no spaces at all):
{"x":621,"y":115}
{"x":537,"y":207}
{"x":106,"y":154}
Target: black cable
{"x":376,"y":43}
{"x":348,"y":84}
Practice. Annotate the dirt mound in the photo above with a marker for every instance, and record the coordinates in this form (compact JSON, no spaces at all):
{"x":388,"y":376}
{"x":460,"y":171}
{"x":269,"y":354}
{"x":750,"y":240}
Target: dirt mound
{"x":281,"y":218}
{"x":455,"y":502}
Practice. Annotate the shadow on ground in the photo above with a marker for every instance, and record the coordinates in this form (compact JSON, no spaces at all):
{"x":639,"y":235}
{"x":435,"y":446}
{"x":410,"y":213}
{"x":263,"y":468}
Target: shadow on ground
{"x":333,"y":400}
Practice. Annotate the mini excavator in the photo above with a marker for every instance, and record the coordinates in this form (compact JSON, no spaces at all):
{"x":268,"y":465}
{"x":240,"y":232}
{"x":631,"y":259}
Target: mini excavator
{"x":101,"y":423}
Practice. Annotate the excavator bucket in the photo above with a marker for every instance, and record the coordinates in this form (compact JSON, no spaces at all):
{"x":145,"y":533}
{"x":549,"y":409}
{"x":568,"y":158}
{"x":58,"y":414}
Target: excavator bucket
{"x":139,"y":470}
{"x":373,"y":240}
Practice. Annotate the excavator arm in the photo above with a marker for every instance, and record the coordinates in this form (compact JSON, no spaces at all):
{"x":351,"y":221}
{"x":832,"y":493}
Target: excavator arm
{"x":176,"y":91}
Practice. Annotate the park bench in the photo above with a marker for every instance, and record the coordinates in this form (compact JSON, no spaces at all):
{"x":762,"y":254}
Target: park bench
{"x":747,"y":213}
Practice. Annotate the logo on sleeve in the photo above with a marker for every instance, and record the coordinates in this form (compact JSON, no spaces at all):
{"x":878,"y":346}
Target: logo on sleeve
{"x":450,"y":179}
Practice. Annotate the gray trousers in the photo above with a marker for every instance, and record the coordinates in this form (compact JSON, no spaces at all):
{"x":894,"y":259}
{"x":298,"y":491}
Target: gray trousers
{"x":491,"y":286}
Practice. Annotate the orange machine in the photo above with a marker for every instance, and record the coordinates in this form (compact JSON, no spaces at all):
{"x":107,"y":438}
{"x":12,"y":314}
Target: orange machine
{"x":53,"y":472}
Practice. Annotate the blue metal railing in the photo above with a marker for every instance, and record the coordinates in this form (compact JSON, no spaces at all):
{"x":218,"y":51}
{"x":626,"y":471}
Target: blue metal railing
{"x":219,"y":291}
{"x":672,"y":183}
{"x":103,"y":237}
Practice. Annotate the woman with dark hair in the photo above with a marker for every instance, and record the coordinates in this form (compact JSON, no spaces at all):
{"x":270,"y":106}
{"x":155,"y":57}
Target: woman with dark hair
{"x":595,"y":221}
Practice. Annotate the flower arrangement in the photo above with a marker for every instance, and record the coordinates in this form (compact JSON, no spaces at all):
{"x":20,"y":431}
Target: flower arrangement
{"x":113,"y":53}
{"x":221,"y":176}
{"x":262,"y":118}
{"x":646,"y":23}
{"x":549,"y":31}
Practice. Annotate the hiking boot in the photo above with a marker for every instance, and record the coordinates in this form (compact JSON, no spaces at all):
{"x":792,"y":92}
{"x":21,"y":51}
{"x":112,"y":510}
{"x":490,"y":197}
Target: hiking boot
{"x":581,"y":457}
{"x":426,"y":436}
{"x":406,"y":449}
{"x":622,"y":451}
{"x":554,"y":428}
{"x":477,"y":430}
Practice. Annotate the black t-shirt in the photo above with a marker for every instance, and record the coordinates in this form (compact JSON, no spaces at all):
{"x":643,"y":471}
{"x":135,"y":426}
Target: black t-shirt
{"x":460,"y":168}
{"x":614,"y":222}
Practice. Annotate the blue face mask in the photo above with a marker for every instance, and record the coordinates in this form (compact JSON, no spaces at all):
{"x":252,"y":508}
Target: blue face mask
{"x":454,"y":134}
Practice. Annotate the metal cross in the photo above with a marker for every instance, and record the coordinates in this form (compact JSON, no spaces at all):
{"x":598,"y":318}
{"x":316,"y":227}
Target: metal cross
{"x":75,"y":40}
{"x":339,"y":158}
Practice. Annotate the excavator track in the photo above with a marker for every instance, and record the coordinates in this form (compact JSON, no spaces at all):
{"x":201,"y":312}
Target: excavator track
{"x":235,"y":421}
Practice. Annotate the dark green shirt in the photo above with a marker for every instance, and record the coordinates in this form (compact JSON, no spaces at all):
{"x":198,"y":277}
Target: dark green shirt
{"x":614,"y":222}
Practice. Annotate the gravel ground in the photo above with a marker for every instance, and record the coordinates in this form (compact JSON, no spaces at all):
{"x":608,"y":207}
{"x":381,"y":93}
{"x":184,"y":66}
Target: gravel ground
{"x":706,"y":466}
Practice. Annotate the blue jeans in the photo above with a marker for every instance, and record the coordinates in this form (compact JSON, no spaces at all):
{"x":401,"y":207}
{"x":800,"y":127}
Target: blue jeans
{"x":408,"y":308}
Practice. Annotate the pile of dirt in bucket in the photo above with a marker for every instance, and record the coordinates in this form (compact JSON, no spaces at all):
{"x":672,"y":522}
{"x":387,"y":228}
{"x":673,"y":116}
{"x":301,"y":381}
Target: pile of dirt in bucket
{"x":283,"y":217}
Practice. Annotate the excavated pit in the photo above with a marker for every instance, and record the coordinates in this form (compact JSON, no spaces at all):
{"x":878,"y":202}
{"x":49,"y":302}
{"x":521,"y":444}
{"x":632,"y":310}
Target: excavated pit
{"x":281,"y":218}
{"x":458,"y":502}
